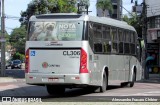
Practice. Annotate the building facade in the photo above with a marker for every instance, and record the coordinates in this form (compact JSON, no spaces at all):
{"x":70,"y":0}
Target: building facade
{"x":153,"y":33}
{"x":117,"y":10}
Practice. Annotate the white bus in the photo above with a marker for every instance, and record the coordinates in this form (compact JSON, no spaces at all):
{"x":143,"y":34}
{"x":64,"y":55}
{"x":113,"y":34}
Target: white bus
{"x":72,"y":50}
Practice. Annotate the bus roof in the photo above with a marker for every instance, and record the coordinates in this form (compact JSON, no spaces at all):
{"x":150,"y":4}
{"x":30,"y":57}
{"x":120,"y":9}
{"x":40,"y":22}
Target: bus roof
{"x":74,"y":16}
{"x":110,"y":22}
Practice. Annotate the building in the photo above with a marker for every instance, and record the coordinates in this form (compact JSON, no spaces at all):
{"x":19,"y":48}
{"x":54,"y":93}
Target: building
{"x":7,"y":55}
{"x":117,"y":10}
{"x":153,"y":32}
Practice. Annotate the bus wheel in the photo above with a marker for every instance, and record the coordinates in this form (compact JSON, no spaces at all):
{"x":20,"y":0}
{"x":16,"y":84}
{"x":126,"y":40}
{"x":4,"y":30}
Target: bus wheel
{"x":131,"y":84}
{"x":105,"y":83}
{"x":55,"y":90}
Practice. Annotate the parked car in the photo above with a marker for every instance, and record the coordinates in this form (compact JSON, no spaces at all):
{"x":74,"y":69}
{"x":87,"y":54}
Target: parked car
{"x":16,"y":64}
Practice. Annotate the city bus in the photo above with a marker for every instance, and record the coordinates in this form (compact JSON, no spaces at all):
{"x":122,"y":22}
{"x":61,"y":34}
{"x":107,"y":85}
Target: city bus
{"x":77,"y":51}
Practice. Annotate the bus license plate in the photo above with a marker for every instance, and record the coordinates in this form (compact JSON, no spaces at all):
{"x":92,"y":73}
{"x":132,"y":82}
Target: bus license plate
{"x":52,"y":80}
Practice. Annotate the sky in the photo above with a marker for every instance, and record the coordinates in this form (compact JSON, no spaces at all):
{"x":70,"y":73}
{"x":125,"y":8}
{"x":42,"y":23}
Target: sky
{"x":13,"y":9}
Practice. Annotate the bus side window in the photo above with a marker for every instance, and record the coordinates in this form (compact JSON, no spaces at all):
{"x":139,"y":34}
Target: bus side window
{"x":121,"y":47}
{"x":121,"y":41}
{"x":113,"y":33}
{"x":97,"y":39}
{"x":107,"y":47}
{"x":114,"y":47}
{"x":98,"y":47}
{"x":127,"y":42}
{"x":91,"y":34}
{"x":106,"y":39}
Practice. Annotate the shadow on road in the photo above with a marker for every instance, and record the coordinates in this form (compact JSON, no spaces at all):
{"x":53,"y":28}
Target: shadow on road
{"x":41,"y":92}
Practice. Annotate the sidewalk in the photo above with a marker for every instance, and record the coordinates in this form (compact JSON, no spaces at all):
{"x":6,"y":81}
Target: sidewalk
{"x":12,"y":76}
{"x":10,"y":79}
{"x":7,"y":79}
{"x":153,"y":78}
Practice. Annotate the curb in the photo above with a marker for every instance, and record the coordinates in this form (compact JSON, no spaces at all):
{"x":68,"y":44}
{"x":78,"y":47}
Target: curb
{"x":7,"y":79}
{"x":10,"y":79}
{"x":157,"y":80}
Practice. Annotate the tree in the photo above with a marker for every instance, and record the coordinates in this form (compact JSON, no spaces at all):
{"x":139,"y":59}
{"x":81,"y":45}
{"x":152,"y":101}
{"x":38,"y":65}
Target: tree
{"x":19,"y":56}
{"x":66,"y":6}
{"x":17,"y":39}
{"x":104,"y":5}
{"x":36,"y":7}
{"x":134,"y":21}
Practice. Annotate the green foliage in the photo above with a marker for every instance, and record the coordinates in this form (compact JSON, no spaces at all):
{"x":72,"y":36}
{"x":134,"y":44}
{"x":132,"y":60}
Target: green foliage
{"x":66,"y":6}
{"x":17,"y":39}
{"x":36,"y":7}
{"x":134,"y":20}
{"x":105,"y":5}
{"x":19,"y":56}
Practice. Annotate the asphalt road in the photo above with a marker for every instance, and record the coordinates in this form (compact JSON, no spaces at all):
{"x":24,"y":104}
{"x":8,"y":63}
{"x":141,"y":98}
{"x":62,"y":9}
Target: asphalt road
{"x":19,"y":88}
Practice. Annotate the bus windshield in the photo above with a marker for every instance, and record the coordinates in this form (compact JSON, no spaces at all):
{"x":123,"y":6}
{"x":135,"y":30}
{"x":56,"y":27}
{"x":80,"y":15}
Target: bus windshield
{"x":55,"y":31}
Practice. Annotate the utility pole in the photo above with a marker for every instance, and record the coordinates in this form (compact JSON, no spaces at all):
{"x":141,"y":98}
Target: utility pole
{"x":2,"y":73}
{"x":119,"y":10}
{"x":83,"y":6}
{"x":144,"y":36}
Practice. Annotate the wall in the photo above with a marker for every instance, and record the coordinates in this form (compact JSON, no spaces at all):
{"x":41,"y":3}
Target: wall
{"x":153,"y":7}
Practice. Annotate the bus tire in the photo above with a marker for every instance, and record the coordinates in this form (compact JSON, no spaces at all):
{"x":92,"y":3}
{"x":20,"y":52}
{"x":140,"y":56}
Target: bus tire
{"x":55,"y":90}
{"x":105,"y":83}
{"x":131,"y":84}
